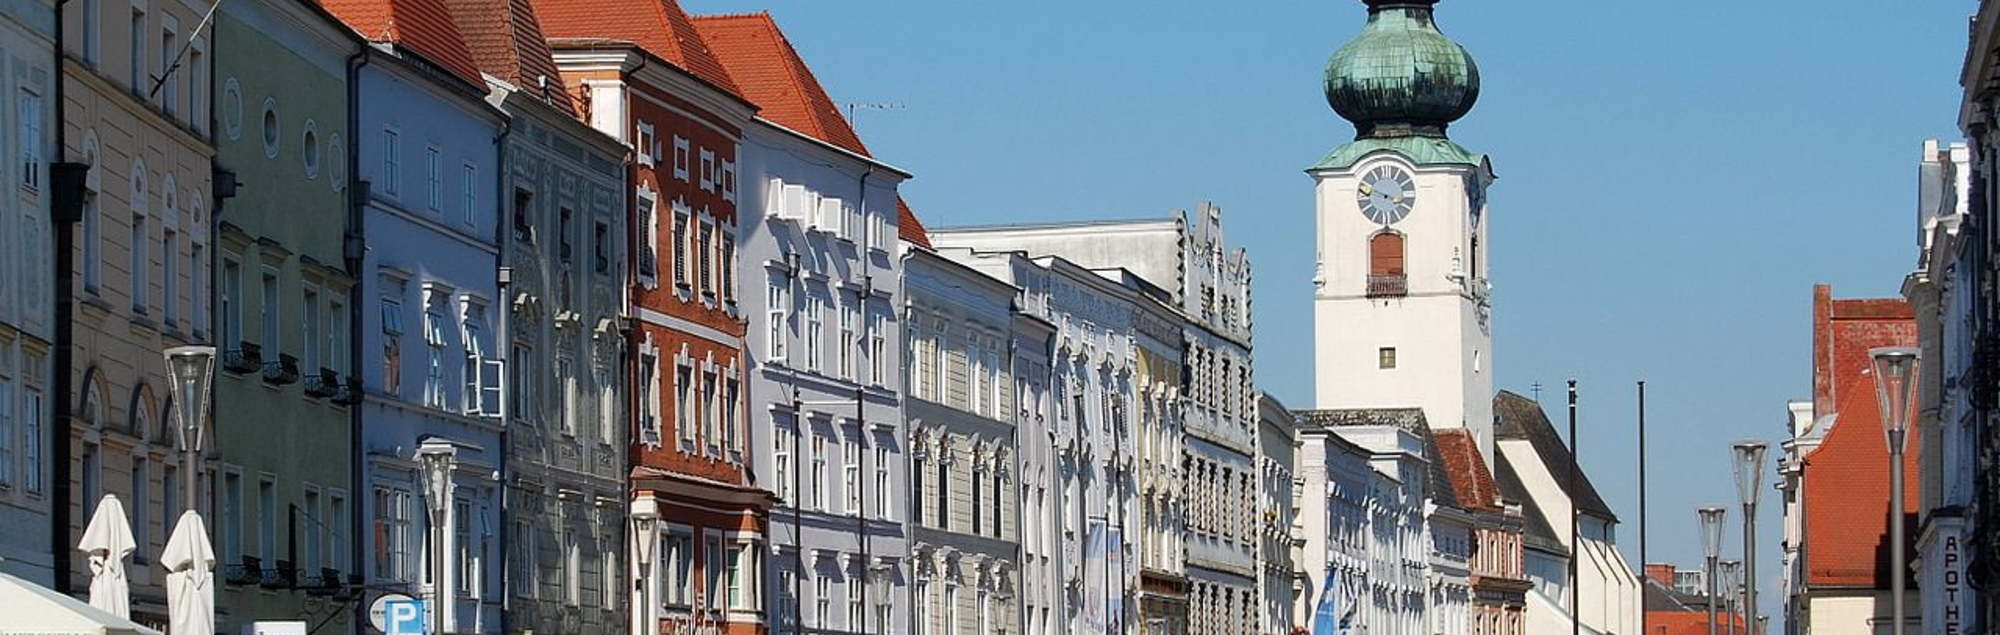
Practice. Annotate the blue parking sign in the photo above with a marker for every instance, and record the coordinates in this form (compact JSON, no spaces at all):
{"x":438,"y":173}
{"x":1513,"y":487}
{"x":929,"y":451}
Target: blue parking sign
{"x":403,"y":617}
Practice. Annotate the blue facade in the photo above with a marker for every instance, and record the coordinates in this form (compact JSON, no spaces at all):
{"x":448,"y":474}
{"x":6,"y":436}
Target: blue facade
{"x":429,"y":294}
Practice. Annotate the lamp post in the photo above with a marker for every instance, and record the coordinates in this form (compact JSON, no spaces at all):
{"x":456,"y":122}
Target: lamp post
{"x":645,"y":536}
{"x":1749,"y":479}
{"x":190,"y":370}
{"x":1711,"y":549}
{"x":436,"y":458}
{"x":1732,"y":579}
{"x":1895,"y":388}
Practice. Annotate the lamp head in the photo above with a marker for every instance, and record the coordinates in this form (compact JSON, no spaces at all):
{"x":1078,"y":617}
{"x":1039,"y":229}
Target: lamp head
{"x":645,"y":519}
{"x":1711,"y":529}
{"x":1895,"y":371}
{"x":190,"y":370}
{"x":1749,"y":469}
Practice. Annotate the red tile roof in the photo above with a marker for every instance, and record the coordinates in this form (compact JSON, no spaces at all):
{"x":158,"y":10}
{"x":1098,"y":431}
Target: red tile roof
{"x":1846,"y":492}
{"x":659,"y":27}
{"x":1689,"y":622}
{"x":908,"y":227}
{"x":424,"y":27}
{"x":1470,"y":479}
{"x":771,"y":73}
{"x":506,"y":41}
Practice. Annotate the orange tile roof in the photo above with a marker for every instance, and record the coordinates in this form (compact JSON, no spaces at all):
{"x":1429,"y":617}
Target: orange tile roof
{"x":908,"y":227}
{"x":1689,"y":622}
{"x":506,"y":41}
{"x":424,"y":27}
{"x":771,"y":74}
{"x":659,"y":27}
{"x":1470,"y":479}
{"x":1846,"y":490}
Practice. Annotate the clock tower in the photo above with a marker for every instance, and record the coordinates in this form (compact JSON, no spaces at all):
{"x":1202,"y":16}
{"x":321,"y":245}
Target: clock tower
{"x":1402,"y":316}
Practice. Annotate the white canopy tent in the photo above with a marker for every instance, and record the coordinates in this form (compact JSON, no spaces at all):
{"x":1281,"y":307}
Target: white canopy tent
{"x":35,"y":609}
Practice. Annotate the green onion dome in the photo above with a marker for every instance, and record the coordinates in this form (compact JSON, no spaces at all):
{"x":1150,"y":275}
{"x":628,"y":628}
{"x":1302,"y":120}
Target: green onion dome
{"x":1401,"y":77}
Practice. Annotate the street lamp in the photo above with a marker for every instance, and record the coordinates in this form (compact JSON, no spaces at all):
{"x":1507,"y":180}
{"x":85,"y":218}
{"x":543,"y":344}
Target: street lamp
{"x":1711,"y":548}
{"x":645,"y":537}
{"x":1895,"y":389}
{"x":436,"y":459}
{"x":1732,"y":577}
{"x":190,"y":370}
{"x":1749,"y":480}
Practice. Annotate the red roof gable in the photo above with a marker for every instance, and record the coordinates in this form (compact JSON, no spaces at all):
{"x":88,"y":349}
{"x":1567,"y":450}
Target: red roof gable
{"x":771,"y":74}
{"x":1470,"y":479}
{"x":506,"y":41}
{"x":424,"y":27}
{"x":1846,"y":492}
{"x":908,"y":227}
{"x":659,"y":27}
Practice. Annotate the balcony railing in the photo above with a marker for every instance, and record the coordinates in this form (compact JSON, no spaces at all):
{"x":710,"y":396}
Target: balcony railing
{"x":250,"y":570}
{"x":1388,"y":286}
{"x":323,"y":384}
{"x":245,"y":358}
{"x":281,"y":576}
{"x":349,"y":393}
{"x":282,"y":371}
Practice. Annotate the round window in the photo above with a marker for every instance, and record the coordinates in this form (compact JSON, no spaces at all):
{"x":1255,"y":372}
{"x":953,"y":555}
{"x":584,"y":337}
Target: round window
{"x":232,"y":109}
{"x":311,"y":149}
{"x":336,"y":154}
{"x":270,"y":128}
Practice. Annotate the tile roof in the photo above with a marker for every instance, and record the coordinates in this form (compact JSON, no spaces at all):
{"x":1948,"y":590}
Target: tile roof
{"x":506,"y":41}
{"x":763,"y":63}
{"x":1539,"y":532}
{"x":1518,"y":417}
{"x":1688,"y":622}
{"x":1846,"y":496}
{"x":1464,"y":469}
{"x":424,"y":27}
{"x":1409,"y":419}
{"x":908,"y":227}
{"x":658,"y":27}
{"x":1442,"y":490}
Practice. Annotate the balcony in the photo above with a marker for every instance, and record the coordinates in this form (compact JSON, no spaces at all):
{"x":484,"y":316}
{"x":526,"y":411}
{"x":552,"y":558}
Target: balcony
{"x":245,"y":358}
{"x":282,"y":576}
{"x":249,"y":571}
{"x":325,"y":383}
{"x":349,"y":393}
{"x":282,"y":371}
{"x":1388,"y":286}
{"x":323,"y":582}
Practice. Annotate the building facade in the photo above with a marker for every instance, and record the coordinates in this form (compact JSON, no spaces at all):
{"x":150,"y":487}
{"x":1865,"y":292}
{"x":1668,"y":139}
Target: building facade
{"x":140,"y":259}
{"x":28,"y":298}
{"x":1498,"y":580}
{"x":1978,"y":110}
{"x":1944,"y":306}
{"x":1395,"y":589}
{"x":286,"y":392}
{"x":1280,"y":582}
{"x":964,"y":480}
{"x":425,"y":164}
{"x":654,"y":85}
{"x":1336,"y":482}
{"x":563,"y":253}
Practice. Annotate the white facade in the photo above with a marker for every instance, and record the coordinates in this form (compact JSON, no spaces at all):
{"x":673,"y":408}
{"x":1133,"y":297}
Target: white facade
{"x":1945,"y":301}
{"x":1397,"y":578}
{"x":1419,"y":335}
{"x":1281,"y":583}
{"x":1610,"y":599}
{"x":27,"y":295}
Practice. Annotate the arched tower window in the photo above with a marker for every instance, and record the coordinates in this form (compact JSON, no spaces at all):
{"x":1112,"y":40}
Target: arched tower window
{"x":1385,"y":265}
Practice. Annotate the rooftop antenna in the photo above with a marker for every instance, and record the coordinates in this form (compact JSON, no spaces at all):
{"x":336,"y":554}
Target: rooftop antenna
{"x":853,"y":106}
{"x":1537,"y":389}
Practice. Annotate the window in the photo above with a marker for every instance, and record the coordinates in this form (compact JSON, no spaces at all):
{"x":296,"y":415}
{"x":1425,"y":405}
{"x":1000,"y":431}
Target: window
{"x":706,"y":252}
{"x":648,"y":144}
{"x":1385,"y":264}
{"x":850,"y":474}
{"x":815,"y":332}
{"x":232,"y":303}
{"x":524,"y":560}
{"x":7,"y":438}
{"x":93,"y":33}
{"x":728,"y":269}
{"x":943,"y":491}
{"x":197,"y":114}
{"x":434,"y":175}
{"x":267,"y":518}
{"x":607,"y":406}
{"x":678,"y":562}
{"x":392,"y":162}
{"x":198,"y":288}
{"x":468,"y":194}
{"x":978,"y":505}
{"x":140,"y":263}
{"x":778,"y":307}
{"x":731,"y":394}
{"x":843,"y":352}
{"x":788,"y":599}
{"x":649,"y":255}
{"x":336,"y":335}
{"x":168,"y":91}
{"x":393,"y":535}
{"x":819,"y":473}
{"x":312,"y":526}
{"x":878,"y":349}
{"x":472,"y":372}
{"x":434,"y":348}
{"x":232,"y":517}
{"x":572,"y":568}
{"x":336,"y":531}
{"x":31,"y":416}
{"x":742,"y":575}
{"x":170,"y":259}
{"x":93,"y":241}
{"x":463,"y":548}
{"x":565,"y":387}
{"x":728,"y":180}
{"x":524,"y":222}
{"x":916,"y":490}
{"x":138,"y":50}
{"x":141,"y":490}
{"x":883,"y":493}
{"x":680,"y":158}
{"x":855,"y":610}
{"x":268,"y":312}
{"x":781,"y":460}
{"x":649,"y":396}
{"x":707,"y":170}
{"x":1385,"y":357}
{"x":684,"y":405}
{"x":600,"y":246}
{"x":392,"y":345}
{"x":28,"y":115}
{"x":919,"y":605}
{"x":170,"y":492}
{"x":681,"y":246}
{"x":311,"y":346}
{"x":822,"y":600}
{"x":271,"y":128}
{"x":712,"y":590}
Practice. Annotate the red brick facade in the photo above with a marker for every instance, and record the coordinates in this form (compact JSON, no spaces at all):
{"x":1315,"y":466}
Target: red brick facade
{"x":1846,"y":486}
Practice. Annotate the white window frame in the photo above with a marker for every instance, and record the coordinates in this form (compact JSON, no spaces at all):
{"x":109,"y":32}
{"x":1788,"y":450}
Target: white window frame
{"x":681,"y":158}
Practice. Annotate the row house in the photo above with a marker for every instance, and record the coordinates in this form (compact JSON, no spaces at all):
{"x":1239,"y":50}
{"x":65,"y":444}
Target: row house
{"x":1336,"y":489}
{"x":1394,"y":591}
{"x":964,"y":410}
{"x":648,"y":79}
{"x":1531,"y":465}
{"x":134,"y":102}
{"x":1281,"y":583}
{"x":1498,"y":584}
{"x":1448,"y":529}
{"x":563,"y":240}
{"x":1944,"y":300}
{"x":822,"y":256}
{"x":27,"y":296}
{"x":426,"y":221}
{"x":285,"y":390}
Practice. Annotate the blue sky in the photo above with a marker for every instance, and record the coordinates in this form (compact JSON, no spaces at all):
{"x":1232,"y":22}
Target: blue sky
{"x":1674,"y":176}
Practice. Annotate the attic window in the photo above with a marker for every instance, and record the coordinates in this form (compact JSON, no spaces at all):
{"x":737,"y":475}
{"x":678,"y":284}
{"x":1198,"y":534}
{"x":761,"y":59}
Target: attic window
{"x":1385,"y":358}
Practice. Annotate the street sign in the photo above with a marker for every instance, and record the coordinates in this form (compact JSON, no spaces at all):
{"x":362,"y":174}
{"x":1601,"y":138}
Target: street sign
{"x":397,"y":614}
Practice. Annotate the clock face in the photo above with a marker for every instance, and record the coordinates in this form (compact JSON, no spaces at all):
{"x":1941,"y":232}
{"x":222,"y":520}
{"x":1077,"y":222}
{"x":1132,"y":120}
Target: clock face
{"x":1387,"y":194}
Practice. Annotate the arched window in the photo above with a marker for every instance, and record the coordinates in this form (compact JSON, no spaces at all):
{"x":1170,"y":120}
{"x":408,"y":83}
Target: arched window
{"x":1385,"y":265}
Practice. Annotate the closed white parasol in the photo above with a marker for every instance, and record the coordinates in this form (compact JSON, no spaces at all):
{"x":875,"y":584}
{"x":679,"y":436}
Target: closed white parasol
{"x":108,"y":541}
{"x":190,"y":564}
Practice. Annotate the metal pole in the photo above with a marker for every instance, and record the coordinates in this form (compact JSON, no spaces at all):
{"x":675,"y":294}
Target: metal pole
{"x":1749,"y":580}
{"x":1575,"y":549}
{"x":1708,"y":578}
{"x":1644,"y":620}
{"x":1898,"y":568}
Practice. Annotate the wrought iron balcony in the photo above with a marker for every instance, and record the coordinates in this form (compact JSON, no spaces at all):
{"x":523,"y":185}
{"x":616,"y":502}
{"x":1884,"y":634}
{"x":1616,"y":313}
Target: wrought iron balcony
{"x":282,"y":575}
{"x":350,"y":393}
{"x":282,"y":371}
{"x":323,"y":582}
{"x":1388,"y":286}
{"x":245,"y":358}
{"x":325,"y":383}
{"x":248,"y":571}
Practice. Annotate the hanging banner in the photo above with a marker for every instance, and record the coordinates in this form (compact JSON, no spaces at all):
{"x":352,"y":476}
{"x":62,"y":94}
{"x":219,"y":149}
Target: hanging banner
{"x":1114,"y":591}
{"x":1095,"y":582}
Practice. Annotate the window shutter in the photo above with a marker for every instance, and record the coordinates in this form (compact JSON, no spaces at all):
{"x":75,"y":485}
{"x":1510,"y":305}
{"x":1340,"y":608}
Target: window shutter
{"x":1385,"y":254}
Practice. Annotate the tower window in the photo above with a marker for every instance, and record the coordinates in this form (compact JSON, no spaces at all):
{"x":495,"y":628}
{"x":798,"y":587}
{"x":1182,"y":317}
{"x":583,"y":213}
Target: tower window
{"x":1385,"y":265}
{"x":1385,"y":357}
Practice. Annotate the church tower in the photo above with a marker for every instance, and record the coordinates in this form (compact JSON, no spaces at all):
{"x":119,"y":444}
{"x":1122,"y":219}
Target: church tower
{"x":1401,"y":306}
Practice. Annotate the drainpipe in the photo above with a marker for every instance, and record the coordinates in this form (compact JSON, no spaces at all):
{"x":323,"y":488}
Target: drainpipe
{"x":861,"y":401}
{"x":65,"y":210}
{"x":352,"y":252}
{"x":504,"y":279}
